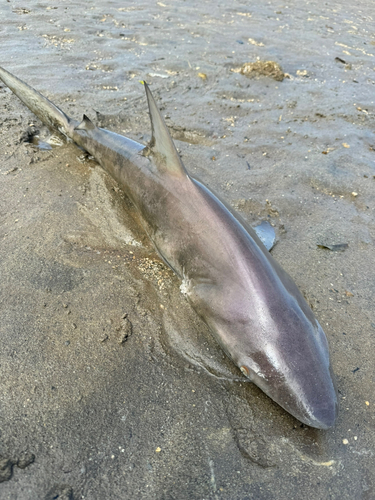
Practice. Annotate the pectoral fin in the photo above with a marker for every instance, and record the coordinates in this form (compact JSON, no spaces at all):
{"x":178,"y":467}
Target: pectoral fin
{"x":266,"y":234}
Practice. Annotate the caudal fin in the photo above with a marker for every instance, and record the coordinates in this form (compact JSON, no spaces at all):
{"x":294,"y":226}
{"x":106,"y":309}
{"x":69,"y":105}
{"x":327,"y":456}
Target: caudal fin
{"x":44,"y":109}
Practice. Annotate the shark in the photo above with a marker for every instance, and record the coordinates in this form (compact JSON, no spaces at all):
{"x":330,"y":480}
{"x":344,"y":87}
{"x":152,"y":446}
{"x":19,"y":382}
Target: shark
{"x":251,"y":305}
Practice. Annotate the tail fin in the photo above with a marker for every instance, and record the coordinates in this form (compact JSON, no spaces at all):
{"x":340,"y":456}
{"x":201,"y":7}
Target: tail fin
{"x":44,"y":109}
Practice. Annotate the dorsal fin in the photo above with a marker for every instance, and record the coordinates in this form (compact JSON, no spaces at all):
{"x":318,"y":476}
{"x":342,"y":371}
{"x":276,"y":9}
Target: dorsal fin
{"x":86,"y":124}
{"x":161,"y":142}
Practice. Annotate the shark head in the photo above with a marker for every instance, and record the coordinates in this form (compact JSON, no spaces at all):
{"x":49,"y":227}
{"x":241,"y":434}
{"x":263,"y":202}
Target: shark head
{"x":297,"y":376}
{"x":277,"y":343}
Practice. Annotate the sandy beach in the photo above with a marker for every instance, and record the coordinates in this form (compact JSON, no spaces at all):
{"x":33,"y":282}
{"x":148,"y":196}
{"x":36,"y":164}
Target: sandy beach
{"x":111,"y":385}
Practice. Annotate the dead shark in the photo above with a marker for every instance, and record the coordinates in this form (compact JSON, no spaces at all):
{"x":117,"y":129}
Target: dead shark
{"x":251,"y":305}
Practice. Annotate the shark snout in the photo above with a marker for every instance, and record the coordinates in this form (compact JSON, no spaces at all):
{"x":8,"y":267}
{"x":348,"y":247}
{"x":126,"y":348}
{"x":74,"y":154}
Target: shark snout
{"x":325,"y":418}
{"x":312,"y":400}
{"x":323,"y":409}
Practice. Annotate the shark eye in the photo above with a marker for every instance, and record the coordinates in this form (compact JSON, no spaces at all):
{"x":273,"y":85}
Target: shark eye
{"x":244,"y":370}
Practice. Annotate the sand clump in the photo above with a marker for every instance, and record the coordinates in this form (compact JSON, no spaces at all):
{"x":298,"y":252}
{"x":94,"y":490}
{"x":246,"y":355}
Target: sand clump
{"x":258,"y":69}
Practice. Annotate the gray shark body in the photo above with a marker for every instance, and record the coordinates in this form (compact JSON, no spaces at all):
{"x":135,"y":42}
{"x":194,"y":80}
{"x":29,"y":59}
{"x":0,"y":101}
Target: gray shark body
{"x":252,"y":306}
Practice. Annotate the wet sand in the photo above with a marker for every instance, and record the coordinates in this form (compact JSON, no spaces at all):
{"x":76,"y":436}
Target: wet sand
{"x":112,"y":387}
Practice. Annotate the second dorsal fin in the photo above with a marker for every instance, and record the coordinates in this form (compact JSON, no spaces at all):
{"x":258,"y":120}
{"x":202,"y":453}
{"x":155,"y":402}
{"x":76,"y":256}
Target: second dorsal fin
{"x":86,"y":124}
{"x":161,"y":141}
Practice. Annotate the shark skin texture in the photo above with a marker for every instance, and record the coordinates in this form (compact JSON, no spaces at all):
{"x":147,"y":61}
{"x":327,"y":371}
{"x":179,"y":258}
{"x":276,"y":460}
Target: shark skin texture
{"x":252,"y":306}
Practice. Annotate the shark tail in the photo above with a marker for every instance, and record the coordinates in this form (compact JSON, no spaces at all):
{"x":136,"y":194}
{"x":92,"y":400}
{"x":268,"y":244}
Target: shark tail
{"x":44,"y":109}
